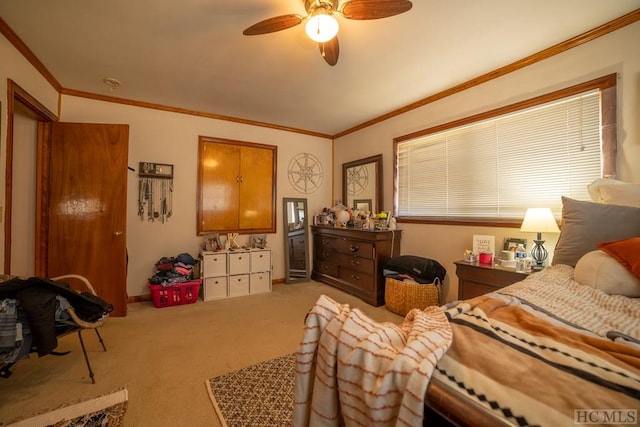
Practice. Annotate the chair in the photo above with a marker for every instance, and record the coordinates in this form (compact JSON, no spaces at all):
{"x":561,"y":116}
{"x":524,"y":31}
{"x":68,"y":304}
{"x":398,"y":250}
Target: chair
{"x":77,"y":324}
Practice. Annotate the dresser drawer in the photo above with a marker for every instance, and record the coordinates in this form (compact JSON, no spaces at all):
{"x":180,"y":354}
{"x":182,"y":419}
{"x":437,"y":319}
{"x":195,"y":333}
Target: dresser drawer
{"x":365,"y":283}
{"x":214,"y":264}
{"x":260,"y":261}
{"x":238,"y":285}
{"x":260,"y":282}
{"x":326,"y":255}
{"x":239,"y":262}
{"x":324,"y":267}
{"x":326,"y":243}
{"x":214,"y":288}
{"x":353,"y":247}
{"x":356,"y":263}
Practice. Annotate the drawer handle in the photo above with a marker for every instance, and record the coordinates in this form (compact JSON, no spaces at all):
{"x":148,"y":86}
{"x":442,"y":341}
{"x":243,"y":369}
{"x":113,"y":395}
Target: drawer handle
{"x":354,"y":248}
{"x":355,"y":277}
{"x":326,"y":254}
{"x":355,"y":262}
{"x":261,"y":256}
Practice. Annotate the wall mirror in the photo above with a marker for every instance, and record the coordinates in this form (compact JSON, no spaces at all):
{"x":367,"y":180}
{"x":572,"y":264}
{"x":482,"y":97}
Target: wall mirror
{"x":362,"y":184}
{"x":296,"y":240}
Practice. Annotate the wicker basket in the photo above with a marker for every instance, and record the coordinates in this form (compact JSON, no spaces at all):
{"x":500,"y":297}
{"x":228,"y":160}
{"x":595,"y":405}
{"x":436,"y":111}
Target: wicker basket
{"x":400,"y":297}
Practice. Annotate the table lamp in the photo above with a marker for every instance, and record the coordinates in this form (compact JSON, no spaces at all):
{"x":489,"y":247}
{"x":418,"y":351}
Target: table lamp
{"x":539,"y":220}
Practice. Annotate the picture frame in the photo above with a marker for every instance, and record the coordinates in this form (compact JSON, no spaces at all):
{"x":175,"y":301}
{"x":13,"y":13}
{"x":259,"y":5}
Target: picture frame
{"x":483,"y":244}
{"x":362,"y":204}
{"x":258,"y":241}
{"x":511,"y":243}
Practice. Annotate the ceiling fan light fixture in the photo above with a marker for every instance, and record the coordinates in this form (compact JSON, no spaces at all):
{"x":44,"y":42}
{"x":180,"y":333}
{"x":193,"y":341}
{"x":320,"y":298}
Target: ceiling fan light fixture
{"x":321,"y":26}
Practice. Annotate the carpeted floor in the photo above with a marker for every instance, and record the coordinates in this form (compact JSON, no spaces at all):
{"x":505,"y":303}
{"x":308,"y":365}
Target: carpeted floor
{"x":260,"y":395}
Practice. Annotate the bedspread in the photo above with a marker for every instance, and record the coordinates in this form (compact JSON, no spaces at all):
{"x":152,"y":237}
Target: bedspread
{"x":546,"y":350}
{"x":354,"y":370}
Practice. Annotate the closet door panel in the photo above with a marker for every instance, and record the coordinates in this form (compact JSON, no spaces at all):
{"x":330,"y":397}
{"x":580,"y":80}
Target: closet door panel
{"x":256,"y":185}
{"x":219,"y":189}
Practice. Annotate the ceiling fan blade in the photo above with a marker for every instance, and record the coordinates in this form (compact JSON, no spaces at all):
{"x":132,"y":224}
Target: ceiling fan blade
{"x":330,"y":51}
{"x":274,"y":24}
{"x":374,"y":9}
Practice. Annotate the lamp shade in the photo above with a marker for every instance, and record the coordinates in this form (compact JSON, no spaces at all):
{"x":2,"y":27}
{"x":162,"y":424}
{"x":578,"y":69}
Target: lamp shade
{"x":321,"y":26}
{"x":539,"y":220}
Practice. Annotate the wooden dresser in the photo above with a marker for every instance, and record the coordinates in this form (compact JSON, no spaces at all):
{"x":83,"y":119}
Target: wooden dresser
{"x":352,"y":259}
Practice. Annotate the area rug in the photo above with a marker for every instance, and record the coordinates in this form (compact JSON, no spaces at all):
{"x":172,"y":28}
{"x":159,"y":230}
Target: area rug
{"x":258,"y":395}
{"x":107,"y":410}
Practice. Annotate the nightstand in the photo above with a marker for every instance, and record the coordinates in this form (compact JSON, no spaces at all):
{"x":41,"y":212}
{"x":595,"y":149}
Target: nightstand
{"x":477,"y":279}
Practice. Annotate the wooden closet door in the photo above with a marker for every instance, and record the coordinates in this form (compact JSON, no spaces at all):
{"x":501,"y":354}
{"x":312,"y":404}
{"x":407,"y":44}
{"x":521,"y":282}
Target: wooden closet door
{"x":219,"y":186}
{"x":256,"y":186}
{"x":88,"y":206}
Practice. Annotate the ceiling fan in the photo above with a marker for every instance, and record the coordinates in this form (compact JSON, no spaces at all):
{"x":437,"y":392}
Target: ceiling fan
{"x":322,"y":27}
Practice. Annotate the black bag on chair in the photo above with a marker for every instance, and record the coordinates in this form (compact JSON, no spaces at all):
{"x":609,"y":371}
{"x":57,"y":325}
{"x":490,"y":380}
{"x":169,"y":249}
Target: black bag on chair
{"x":422,"y":268}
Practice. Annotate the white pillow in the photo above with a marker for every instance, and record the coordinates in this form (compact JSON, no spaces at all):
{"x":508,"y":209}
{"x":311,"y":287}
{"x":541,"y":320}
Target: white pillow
{"x":613,"y":192}
{"x":601,"y":271}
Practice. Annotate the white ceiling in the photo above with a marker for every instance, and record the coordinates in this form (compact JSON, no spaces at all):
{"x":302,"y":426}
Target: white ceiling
{"x":191,"y":54}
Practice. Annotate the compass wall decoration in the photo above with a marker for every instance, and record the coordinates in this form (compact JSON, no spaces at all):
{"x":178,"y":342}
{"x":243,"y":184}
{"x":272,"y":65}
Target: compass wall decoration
{"x":305,"y":173}
{"x":357,"y":180}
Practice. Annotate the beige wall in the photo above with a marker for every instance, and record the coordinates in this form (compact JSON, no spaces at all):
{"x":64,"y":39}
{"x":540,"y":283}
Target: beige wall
{"x":614,"y":53}
{"x":164,"y":137}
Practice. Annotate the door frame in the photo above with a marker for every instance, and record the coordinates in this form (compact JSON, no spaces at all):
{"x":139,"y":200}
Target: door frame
{"x":16,"y":94}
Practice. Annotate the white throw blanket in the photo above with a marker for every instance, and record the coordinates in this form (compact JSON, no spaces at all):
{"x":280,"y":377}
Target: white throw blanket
{"x":355,"y":371}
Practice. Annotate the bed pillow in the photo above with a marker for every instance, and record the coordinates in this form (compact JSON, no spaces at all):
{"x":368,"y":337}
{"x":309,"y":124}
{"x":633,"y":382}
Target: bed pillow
{"x":613,"y":192}
{"x":585,"y":224}
{"x":626,"y":252}
{"x":601,"y":271}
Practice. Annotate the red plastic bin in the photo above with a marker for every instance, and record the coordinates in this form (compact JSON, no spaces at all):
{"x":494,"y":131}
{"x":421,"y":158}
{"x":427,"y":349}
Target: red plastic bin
{"x":178,"y":294}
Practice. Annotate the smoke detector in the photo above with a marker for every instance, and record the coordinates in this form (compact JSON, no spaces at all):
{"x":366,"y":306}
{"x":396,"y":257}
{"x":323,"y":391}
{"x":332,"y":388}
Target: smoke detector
{"x":112,"y":83}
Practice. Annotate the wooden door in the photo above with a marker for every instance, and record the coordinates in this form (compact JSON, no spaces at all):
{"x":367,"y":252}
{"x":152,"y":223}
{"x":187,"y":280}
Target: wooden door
{"x":219,"y":176}
{"x":87,"y":195}
{"x":256,"y":185}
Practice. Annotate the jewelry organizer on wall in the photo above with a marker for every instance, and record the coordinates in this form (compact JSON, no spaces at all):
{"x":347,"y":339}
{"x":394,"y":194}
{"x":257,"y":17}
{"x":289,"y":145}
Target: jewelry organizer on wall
{"x":155,"y":191}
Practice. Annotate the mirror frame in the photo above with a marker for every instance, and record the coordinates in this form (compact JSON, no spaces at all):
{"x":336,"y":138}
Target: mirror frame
{"x":378,"y":191}
{"x":305,"y":235}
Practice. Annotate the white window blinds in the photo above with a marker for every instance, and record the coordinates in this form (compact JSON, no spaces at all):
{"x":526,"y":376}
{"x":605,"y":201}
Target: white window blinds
{"x":497,"y":168}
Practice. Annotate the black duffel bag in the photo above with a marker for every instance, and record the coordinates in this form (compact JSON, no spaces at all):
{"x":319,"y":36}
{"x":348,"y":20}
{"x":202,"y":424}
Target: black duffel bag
{"x":422,"y":268}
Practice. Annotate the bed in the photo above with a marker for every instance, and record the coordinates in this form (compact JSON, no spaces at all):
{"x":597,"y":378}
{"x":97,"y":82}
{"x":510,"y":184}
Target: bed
{"x":561,"y":347}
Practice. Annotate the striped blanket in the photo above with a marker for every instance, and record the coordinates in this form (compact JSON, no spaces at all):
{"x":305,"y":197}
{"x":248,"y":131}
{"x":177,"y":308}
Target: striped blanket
{"x":355,"y":371}
{"x":546,"y":351}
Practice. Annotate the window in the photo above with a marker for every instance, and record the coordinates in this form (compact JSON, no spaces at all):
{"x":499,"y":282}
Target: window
{"x":491,"y":167}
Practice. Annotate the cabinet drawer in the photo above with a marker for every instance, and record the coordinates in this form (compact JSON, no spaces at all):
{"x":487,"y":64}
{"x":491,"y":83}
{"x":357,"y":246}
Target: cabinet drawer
{"x":326,"y":255}
{"x":214,"y":288}
{"x":361,"y":281}
{"x":238,"y":285}
{"x":239,"y":262}
{"x":214,"y":264}
{"x":354,"y":247}
{"x":260,"y":261}
{"x":260,"y":282}
{"x":328,"y":268}
{"x":326,"y":243}
{"x":356,"y":263}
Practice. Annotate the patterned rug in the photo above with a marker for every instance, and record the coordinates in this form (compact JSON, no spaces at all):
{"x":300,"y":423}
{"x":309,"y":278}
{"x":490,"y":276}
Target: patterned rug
{"x":106,"y":410}
{"x":258,"y":395}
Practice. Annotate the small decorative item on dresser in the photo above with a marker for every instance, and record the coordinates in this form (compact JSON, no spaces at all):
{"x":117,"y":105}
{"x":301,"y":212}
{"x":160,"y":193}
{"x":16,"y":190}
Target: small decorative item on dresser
{"x":485,"y":258}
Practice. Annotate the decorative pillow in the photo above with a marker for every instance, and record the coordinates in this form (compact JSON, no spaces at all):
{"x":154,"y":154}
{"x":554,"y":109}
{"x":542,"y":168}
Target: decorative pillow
{"x":626,"y":252}
{"x":613,"y":192}
{"x":585,"y":224}
{"x":600,"y":271}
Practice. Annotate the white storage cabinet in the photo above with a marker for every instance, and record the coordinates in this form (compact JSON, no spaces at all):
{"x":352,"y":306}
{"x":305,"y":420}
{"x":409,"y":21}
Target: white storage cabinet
{"x":235,"y":273}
